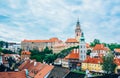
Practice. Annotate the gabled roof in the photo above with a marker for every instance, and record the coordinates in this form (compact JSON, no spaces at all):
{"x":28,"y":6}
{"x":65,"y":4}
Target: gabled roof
{"x":100,"y":47}
{"x":54,"y":39}
{"x":20,"y":74}
{"x":117,"y":50}
{"x":45,"y":71}
{"x":93,"y":60}
{"x":73,"y":55}
{"x":36,"y":69}
{"x":71,"y":40}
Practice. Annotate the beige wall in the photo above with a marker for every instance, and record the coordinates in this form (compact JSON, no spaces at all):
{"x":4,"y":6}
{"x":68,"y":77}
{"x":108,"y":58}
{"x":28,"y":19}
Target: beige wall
{"x":41,"y":45}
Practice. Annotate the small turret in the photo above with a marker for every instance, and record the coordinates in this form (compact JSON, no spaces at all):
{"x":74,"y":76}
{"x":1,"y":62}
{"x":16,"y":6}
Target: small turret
{"x":82,"y":38}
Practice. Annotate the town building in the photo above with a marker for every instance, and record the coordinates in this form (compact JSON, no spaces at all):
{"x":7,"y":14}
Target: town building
{"x":36,"y":69}
{"x":117,"y":62}
{"x":92,"y":64}
{"x":4,"y":58}
{"x":58,"y":47}
{"x":39,"y":44}
{"x":73,"y":59}
{"x":14,"y":47}
{"x":25,"y":55}
{"x":99,"y":50}
{"x":71,"y":42}
{"x":117,"y":52}
{"x":65,"y":63}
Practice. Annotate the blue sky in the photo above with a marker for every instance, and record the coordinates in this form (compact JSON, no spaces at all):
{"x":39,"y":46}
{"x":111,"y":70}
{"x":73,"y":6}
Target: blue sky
{"x":43,"y":19}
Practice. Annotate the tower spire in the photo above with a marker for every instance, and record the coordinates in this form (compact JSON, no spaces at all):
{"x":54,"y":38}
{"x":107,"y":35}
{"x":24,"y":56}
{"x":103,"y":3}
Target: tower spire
{"x":78,"y":30}
{"x":78,"y":23}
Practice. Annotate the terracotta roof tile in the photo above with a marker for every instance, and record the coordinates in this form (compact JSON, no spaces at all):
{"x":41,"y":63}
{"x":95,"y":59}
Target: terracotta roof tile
{"x":54,"y":39}
{"x":100,"y":47}
{"x":36,"y":69}
{"x":44,"y":71}
{"x":26,"y":52}
{"x":117,"y":50}
{"x":20,"y":74}
{"x":117,"y":61}
{"x":71,"y":40}
{"x":73,"y":55}
{"x":93,"y":60}
{"x":50,"y":40}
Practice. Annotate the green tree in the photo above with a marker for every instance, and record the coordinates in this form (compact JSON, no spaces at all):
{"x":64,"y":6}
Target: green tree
{"x":19,"y":51}
{"x":49,"y":58}
{"x":0,"y":49}
{"x":5,"y":51}
{"x":96,"y":41}
{"x":65,"y":52}
{"x":34,"y":52}
{"x":38,"y":58}
{"x":108,"y":63}
{"x":88,"y":52}
{"x":47,"y":51}
{"x":112,"y":46}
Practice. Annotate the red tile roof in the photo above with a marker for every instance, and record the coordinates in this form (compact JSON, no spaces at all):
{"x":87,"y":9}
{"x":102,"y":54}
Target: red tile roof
{"x":117,"y":61}
{"x":100,"y":47}
{"x":93,"y":60}
{"x":26,"y":52}
{"x":117,"y":50}
{"x":71,"y":40}
{"x":36,"y":41}
{"x":20,"y":74}
{"x":44,"y":71}
{"x":73,"y":55}
{"x":54,"y":39}
{"x":36,"y":69}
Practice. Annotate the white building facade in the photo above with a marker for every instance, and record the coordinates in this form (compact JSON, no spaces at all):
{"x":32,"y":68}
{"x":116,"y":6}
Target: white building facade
{"x":83,"y":49}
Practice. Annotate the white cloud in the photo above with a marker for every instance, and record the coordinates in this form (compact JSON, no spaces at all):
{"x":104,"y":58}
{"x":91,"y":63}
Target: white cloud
{"x":41,"y":19}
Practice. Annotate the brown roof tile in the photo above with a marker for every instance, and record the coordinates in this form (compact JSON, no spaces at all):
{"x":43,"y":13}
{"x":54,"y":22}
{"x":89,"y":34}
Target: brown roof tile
{"x":44,"y":71}
{"x":73,"y":55}
{"x":26,"y":52}
{"x":71,"y":40}
{"x":20,"y":74}
{"x":93,"y":60}
{"x":100,"y":47}
{"x":117,"y":50}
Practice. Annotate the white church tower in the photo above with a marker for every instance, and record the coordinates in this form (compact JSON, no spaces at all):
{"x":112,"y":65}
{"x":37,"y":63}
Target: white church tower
{"x":82,"y":47}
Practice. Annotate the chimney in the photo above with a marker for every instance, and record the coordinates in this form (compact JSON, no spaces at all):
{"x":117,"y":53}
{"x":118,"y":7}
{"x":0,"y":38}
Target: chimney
{"x":74,"y":50}
{"x":77,"y":50}
{"x":31,"y":61}
{"x":35,"y":63}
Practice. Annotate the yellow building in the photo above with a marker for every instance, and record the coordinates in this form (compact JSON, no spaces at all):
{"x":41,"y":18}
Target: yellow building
{"x":92,"y":64}
{"x":117,"y":62}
